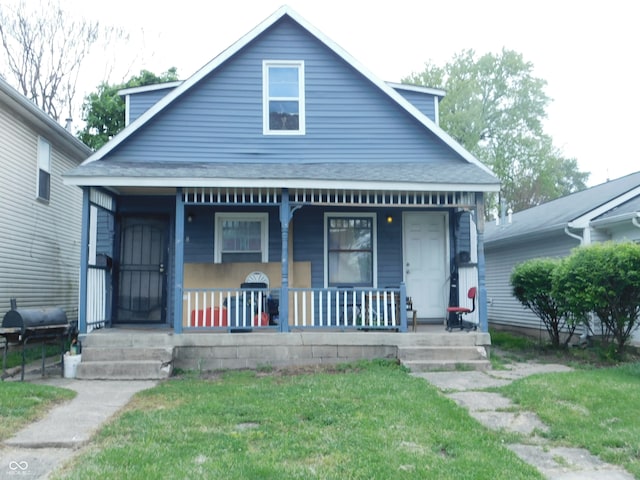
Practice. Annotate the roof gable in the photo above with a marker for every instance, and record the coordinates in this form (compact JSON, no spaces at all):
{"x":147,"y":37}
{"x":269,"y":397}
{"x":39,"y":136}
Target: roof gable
{"x":218,"y":63}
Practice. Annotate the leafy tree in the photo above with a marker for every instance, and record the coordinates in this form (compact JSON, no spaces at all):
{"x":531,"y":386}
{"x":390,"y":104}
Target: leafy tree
{"x":44,"y":49}
{"x":532,"y":286}
{"x":104,"y":110}
{"x":494,"y":107}
{"x":604,"y":279}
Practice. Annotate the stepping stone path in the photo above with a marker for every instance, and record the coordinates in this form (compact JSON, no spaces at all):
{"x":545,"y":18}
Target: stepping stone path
{"x":490,"y":409}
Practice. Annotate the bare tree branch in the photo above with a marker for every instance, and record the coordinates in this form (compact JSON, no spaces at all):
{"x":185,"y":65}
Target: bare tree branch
{"x":45,"y":48}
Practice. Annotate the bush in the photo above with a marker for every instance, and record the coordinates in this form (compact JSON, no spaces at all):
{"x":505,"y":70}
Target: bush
{"x":604,"y":279}
{"x":531,"y":282}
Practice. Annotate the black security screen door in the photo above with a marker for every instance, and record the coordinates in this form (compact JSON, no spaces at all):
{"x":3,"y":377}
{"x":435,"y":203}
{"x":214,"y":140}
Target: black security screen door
{"x":142,"y":267}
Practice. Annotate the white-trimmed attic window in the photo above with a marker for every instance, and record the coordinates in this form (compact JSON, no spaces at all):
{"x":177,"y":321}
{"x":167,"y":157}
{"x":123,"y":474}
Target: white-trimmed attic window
{"x":43,"y":181}
{"x":241,"y":237}
{"x":283,"y":97}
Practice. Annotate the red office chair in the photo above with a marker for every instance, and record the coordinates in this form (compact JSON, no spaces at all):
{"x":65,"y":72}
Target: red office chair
{"x":459,"y":312}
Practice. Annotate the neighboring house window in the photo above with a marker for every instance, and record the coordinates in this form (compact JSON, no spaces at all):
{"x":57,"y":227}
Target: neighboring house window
{"x":44,"y":170}
{"x":350,"y":246}
{"x":283,"y":92}
{"x":241,"y":237}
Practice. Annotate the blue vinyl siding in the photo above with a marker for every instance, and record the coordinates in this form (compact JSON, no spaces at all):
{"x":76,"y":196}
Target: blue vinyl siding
{"x":141,"y":102}
{"x":463,"y":242}
{"x":347,"y":118}
{"x":422,"y":101}
{"x":105,"y":232}
{"x":308,"y":243}
{"x":200,"y":233}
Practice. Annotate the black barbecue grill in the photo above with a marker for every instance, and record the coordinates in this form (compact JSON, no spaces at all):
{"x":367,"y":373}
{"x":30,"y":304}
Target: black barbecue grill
{"x":47,"y":326}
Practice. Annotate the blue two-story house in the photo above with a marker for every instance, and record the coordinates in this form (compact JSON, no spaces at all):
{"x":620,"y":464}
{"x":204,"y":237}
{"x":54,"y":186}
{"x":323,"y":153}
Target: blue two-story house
{"x":283,"y":187}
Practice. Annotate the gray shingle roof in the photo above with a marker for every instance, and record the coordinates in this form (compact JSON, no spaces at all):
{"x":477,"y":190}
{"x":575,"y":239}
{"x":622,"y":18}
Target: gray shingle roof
{"x":556,"y":214}
{"x":451,"y":173}
{"x":628,"y":207}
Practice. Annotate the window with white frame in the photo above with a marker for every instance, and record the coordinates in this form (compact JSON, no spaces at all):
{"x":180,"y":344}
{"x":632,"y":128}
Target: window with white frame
{"x":43,"y":188}
{"x":283,"y":97}
{"x":241,"y":237}
{"x":350,"y":249}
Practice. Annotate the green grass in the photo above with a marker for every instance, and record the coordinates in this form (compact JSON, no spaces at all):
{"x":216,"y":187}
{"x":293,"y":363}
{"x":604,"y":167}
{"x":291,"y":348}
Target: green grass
{"x":595,"y":409}
{"x":369,"y":420}
{"x":22,"y":403}
{"x":32,"y":354}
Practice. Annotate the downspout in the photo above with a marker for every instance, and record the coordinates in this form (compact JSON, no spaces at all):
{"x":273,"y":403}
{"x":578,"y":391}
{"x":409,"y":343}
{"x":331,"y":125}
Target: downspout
{"x":635,"y":219}
{"x":573,"y":235}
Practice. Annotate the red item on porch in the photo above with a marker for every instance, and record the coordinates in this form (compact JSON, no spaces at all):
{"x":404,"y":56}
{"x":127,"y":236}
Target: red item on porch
{"x":211,"y":317}
{"x":264,"y":321}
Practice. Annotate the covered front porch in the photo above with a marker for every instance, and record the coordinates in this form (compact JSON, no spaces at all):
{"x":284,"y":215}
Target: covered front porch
{"x":157,"y":257}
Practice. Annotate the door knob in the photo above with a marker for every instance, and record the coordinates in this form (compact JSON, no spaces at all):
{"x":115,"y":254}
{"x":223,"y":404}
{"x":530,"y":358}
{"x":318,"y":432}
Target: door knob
{"x":162,"y":268}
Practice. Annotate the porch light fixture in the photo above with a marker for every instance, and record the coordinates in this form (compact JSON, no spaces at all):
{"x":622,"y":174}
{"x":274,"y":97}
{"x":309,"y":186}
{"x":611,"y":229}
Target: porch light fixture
{"x":389,"y":219}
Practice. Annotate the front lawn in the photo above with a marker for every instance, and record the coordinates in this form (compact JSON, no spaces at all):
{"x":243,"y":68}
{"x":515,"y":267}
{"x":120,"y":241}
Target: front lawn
{"x":22,"y":403}
{"x":369,"y":420}
{"x":596,"y":409}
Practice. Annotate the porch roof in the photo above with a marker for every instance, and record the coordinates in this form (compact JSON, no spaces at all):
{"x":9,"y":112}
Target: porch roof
{"x":458,"y":176}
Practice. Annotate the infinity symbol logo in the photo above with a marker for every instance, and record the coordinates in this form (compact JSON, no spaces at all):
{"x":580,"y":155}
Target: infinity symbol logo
{"x":18,"y":466}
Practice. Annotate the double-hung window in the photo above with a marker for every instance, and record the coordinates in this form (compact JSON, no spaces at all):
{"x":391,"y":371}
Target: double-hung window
{"x":43,"y":188}
{"x":241,"y":237}
{"x":350,"y":246}
{"x":283,"y":97}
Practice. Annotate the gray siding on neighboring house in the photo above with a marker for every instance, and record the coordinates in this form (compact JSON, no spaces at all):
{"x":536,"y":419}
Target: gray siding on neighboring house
{"x":424,"y":102}
{"x":503,"y":308}
{"x":347,"y":117}
{"x":624,"y":232}
{"x":39,"y":242}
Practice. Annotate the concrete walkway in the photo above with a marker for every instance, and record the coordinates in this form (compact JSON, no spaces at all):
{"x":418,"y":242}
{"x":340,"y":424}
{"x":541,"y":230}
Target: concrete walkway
{"x":555,"y":463}
{"x":43,"y":446}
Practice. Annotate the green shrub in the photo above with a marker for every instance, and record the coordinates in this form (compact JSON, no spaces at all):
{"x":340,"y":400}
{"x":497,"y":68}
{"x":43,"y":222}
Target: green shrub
{"x":532,"y":286}
{"x":603,"y":279}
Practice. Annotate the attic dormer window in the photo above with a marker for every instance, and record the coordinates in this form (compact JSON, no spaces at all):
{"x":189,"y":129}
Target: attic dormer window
{"x":283,"y":97}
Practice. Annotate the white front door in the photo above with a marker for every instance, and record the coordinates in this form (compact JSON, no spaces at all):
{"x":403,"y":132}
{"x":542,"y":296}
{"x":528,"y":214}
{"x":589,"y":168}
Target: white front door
{"x":425,"y":262}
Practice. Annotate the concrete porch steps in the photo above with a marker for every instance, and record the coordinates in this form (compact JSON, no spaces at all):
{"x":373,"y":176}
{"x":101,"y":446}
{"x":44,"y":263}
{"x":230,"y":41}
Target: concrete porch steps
{"x":123,"y":353}
{"x":125,"y":357}
{"x":452,"y":357}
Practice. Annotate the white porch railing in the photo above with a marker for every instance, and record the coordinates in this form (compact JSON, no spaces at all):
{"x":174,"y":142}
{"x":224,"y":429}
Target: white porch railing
{"x":227,"y":308}
{"x":346,"y":308}
{"x":309,"y":308}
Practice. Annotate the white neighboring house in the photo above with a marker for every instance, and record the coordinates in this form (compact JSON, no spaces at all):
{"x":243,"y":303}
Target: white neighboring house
{"x":610,"y":211}
{"x":40,"y":217}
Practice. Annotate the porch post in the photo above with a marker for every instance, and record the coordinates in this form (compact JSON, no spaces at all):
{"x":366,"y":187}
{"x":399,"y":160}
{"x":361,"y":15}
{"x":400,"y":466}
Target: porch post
{"x":403,"y":307}
{"x":482,"y":289}
{"x":285,"y":216}
{"x":178,"y":263}
{"x":84,"y":261}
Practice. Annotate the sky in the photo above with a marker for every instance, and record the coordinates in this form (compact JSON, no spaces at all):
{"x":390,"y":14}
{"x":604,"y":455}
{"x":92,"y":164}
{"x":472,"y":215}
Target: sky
{"x":586,"y":51}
